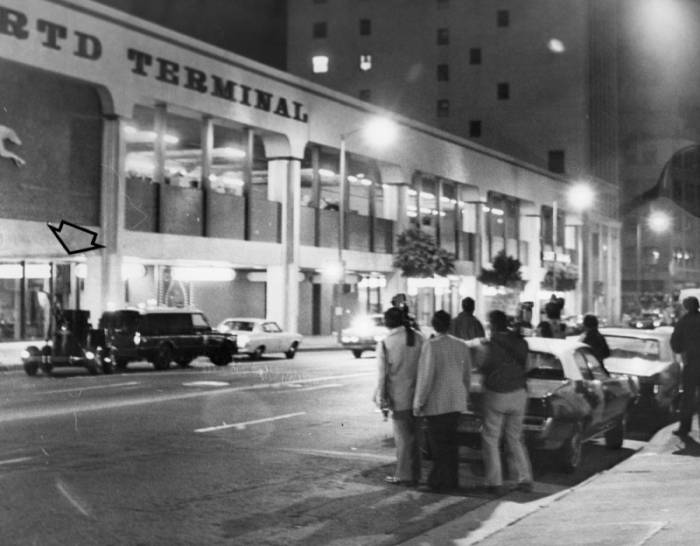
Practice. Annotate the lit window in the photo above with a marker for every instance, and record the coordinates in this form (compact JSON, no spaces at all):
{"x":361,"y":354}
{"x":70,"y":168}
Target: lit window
{"x":320,"y":30}
{"x":503,"y":91}
{"x":365,"y":27}
{"x":443,"y":72}
{"x":365,"y":62}
{"x":320,"y":64}
{"x":443,"y":108}
{"x":475,"y":55}
{"x":503,"y":18}
{"x":443,"y":36}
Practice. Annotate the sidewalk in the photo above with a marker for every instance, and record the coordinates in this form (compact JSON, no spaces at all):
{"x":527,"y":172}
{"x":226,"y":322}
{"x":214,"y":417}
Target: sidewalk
{"x":650,"y":498}
{"x":10,"y":350}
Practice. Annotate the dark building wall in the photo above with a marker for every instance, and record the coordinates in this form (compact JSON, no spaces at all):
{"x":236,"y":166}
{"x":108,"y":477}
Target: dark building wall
{"x":252,"y":28}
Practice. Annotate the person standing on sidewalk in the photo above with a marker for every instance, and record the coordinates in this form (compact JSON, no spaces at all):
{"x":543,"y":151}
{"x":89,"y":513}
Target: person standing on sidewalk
{"x":397,"y":363}
{"x":466,"y":325}
{"x":444,"y":372}
{"x":504,"y":402}
{"x":685,"y":340}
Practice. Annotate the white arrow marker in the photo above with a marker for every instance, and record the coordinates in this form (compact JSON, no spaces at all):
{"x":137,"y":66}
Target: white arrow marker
{"x":242,"y":425}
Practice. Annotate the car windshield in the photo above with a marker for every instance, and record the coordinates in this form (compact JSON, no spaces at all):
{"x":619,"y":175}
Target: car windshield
{"x":242,"y":325}
{"x":544,"y":366}
{"x":630,"y":347}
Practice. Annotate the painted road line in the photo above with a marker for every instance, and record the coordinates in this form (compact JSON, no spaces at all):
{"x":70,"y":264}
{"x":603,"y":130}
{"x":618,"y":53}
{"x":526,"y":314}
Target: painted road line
{"x":206,"y":384}
{"x":63,"y":489}
{"x":317,"y":387}
{"x":17,"y":460}
{"x":341,"y":454}
{"x":242,"y":425}
{"x":77,"y":389}
{"x":80,"y":405}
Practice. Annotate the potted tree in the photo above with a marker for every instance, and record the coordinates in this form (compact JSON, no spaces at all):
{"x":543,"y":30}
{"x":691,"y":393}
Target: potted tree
{"x":504,"y":276}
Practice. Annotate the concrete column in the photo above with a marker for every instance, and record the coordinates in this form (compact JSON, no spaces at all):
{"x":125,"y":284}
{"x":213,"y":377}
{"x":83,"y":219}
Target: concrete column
{"x":104,"y":285}
{"x":284,"y":186}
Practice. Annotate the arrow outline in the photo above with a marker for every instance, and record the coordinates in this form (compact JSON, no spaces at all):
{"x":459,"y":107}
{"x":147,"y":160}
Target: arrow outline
{"x":57,"y":230}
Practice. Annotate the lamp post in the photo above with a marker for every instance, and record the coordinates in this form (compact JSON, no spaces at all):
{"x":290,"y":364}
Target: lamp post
{"x":379,"y":131}
{"x":658,"y":222}
{"x":580,"y":198}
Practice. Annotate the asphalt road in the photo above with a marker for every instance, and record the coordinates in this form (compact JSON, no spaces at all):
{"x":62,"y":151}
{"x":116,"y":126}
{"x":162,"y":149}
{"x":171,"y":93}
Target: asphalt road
{"x":270,"y":452}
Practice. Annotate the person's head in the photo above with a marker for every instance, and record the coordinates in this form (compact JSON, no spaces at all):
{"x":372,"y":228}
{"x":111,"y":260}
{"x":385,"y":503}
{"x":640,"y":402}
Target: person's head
{"x":590,"y":322}
{"x":399,"y":300}
{"x":691,"y":304}
{"x":441,"y":322}
{"x":498,"y":321}
{"x":393,"y":317}
{"x":468,"y":305}
{"x":552,"y":310}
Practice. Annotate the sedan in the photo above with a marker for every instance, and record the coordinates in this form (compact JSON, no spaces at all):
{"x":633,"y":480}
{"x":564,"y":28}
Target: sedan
{"x":257,"y":336}
{"x":364,"y":333}
{"x":571,"y":399}
{"x":647,"y":321}
{"x":647,"y":355}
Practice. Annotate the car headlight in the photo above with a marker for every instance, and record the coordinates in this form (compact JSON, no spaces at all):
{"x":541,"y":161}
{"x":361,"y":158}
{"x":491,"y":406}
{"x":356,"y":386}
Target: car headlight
{"x":89,"y":355}
{"x":137,"y":338}
{"x":24,"y":354}
{"x":243,"y":340}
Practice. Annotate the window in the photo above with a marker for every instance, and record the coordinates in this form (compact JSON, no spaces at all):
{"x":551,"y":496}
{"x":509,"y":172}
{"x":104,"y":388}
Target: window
{"x":475,"y":55}
{"x":503,"y":18}
{"x":365,"y":27}
{"x":320,"y":30}
{"x":503,"y":91}
{"x":365,"y":62}
{"x":555,"y":161}
{"x":443,"y":72}
{"x":365,"y":94}
{"x":475,"y":128}
{"x":443,"y":36}
{"x":320,"y":64}
{"x":443,"y":108}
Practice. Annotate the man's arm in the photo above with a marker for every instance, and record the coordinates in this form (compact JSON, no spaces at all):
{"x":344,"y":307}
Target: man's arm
{"x":424,"y":381}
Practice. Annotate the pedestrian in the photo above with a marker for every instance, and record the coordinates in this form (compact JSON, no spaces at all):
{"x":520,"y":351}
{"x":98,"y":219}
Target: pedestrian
{"x":552,"y":326}
{"x":444,"y":374}
{"x":685,"y":340}
{"x":397,"y":362}
{"x":504,"y":402}
{"x":594,"y":339}
{"x":400,"y":301}
{"x":466,"y":325}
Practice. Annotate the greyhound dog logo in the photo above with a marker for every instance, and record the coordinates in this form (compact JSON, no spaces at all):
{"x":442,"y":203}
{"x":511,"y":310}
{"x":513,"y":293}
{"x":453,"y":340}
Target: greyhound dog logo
{"x":9,"y":135}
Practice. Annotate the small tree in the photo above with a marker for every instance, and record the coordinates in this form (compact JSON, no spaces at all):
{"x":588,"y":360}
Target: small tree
{"x":504,"y":271}
{"x":418,"y":255}
{"x":566,"y":276}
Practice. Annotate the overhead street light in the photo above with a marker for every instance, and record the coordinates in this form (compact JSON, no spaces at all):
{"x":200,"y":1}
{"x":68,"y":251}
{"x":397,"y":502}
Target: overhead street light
{"x":658,"y":222}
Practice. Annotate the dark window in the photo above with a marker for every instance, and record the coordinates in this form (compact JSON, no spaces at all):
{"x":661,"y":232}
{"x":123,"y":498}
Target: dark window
{"x":365,"y":94}
{"x":503,"y":91}
{"x":365,"y":27}
{"x":443,"y":72}
{"x":555,"y":161}
{"x":443,"y":36}
{"x":503,"y":18}
{"x":475,"y":128}
{"x":443,"y":108}
{"x":320,"y":30}
{"x":475,"y":55}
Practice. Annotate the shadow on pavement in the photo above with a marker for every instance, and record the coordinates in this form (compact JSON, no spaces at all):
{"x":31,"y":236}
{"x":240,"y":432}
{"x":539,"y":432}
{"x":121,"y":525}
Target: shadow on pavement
{"x":691,"y":447}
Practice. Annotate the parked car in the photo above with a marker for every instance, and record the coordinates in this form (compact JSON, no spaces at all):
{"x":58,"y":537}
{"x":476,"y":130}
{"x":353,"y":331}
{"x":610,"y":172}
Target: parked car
{"x":73,"y":344}
{"x":647,"y":320}
{"x":163,"y":335}
{"x":364,"y":333}
{"x":572,"y":399}
{"x":647,"y":355}
{"x":257,"y":336}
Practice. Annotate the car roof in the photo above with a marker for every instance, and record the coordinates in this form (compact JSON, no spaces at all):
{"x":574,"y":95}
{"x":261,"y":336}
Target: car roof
{"x":247,"y":319}
{"x":156,"y":310}
{"x":660,"y":333}
{"x":553,"y":345}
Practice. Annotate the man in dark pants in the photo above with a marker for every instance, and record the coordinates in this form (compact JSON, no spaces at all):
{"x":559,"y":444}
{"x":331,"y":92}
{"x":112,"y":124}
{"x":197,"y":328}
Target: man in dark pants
{"x":686,"y":341}
{"x":466,"y":325}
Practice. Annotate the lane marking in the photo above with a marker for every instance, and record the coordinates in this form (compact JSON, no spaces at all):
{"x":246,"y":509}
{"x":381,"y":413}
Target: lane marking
{"x":315,"y":388}
{"x":76,"y":389}
{"x":64,"y":491}
{"x":17,"y":460}
{"x":206,"y":384}
{"x":242,"y":425}
{"x":341,"y":454}
{"x":79,"y":405}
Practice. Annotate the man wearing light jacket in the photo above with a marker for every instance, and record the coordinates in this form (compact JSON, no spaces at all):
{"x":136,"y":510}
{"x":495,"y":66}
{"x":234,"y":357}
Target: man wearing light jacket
{"x":444,"y":373}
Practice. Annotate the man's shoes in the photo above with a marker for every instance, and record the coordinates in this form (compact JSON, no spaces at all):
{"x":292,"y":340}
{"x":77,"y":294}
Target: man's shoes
{"x":397,"y":481}
{"x":681,"y":433}
{"x":525,"y":487}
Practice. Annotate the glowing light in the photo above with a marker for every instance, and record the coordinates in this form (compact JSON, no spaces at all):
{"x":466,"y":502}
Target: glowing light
{"x":319,"y":64}
{"x":381,"y":131}
{"x":132,"y":270}
{"x":581,"y":196}
{"x":556,"y":46}
{"x":326,"y":172}
{"x":81,"y":271}
{"x":333,"y":271}
{"x":205,"y":274}
{"x":659,"y":221}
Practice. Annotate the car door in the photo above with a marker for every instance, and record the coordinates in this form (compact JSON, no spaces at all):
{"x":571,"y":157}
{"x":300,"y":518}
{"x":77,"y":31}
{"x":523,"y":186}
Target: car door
{"x":616,"y":392}
{"x":591,"y":388}
{"x":200,"y":333}
{"x":274,"y":336}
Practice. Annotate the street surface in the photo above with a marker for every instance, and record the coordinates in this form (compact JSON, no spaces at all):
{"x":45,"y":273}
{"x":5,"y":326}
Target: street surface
{"x":269,"y":452}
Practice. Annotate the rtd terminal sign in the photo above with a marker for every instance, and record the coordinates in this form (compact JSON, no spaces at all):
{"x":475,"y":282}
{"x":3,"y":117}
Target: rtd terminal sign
{"x":87,"y":46}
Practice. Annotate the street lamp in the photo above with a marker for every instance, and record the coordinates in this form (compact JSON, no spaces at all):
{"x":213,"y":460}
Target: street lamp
{"x":658,"y":222}
{"x":378,"y":132}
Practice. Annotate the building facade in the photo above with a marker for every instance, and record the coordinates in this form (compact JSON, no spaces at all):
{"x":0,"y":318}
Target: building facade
{"x":213,"y":181}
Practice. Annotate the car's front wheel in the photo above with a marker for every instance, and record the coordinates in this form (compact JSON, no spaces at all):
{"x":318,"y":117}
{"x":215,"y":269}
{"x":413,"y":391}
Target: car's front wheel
{"x":223,"y":355}
{"x":292,"y":351}
{"x":571,"y":451}
{"x":164,"y":357}
{"x":616,"y":435}
{"x":257,"y":353}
